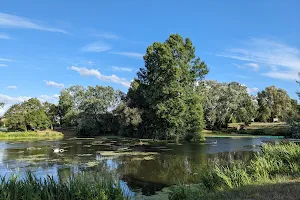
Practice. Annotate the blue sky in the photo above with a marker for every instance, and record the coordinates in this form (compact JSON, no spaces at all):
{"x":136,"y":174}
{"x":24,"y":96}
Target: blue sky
{"x":48,"y":45}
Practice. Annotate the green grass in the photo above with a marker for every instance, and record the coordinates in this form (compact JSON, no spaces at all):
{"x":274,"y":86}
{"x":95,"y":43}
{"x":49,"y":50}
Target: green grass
{"x":276,"y":164}
{"x":283,"y":190}
{"x":47,"y":134}
{"x":255,"y":129}
{"x":78,"y":187}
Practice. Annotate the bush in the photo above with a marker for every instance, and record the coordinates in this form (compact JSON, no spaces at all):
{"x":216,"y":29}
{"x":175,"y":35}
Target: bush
{"x":273,"y":163}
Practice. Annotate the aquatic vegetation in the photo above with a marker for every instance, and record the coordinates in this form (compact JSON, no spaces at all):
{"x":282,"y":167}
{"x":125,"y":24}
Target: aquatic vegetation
{"x":84,"y":155}
{"x":92,"y":163}
{"x":77,"y":187}
{"x":143,"y":158}
{"x":274,"y":164}
{"x":126,"y":153}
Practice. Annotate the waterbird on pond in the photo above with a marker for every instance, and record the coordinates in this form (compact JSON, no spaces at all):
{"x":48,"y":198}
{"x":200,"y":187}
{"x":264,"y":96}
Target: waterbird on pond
{"x":58,"y":150}
{"x":215,"y":142}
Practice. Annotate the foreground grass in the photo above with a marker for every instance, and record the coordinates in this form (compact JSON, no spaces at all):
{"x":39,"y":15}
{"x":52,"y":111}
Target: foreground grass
{"x":275,"y":168}
{"x":79,"y":187}
{"x":46,"y":134}
{"x":258,"y":128}
{"x":284,"y":190}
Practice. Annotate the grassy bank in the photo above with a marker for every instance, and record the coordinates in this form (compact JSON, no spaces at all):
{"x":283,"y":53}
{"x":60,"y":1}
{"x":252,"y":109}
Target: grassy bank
{"x":255,"y":129}
{"x":28,"y":135}
{"x":79,"y":187}
{"x":276,"y":165}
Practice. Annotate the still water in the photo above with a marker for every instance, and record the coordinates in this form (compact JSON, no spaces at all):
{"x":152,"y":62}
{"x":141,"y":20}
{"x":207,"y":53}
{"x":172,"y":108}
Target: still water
{"x":149,"y":169}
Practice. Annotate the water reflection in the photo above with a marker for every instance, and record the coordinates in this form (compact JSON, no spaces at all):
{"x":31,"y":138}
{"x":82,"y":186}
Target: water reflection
{"x":173,"y":163}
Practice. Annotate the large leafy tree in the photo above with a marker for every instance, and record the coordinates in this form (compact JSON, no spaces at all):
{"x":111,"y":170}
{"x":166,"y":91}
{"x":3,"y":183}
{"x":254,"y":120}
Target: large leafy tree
{"x":89,"y":109}
{"x":274,"y":103}
{"x":27,"y":115}
{"x":165,"y":90}
{"x":52,"y":113}
{"x":226,"y":102}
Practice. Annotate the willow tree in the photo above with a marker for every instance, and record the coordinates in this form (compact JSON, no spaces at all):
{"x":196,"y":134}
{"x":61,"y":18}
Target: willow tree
{"x":165,"y":90}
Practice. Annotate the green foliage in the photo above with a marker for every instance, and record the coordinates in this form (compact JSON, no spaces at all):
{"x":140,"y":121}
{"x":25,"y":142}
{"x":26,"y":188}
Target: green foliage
{"x":129,"y":120}
{"x":164,"y":91}
{"x":78,"y":187}
{"x":224,"y":103}
{"x":273,"y":162}
{"x":89,"y":110}
{"x":274,"y":103}
{"x":51,"y":112}
{"x":27,"y":115}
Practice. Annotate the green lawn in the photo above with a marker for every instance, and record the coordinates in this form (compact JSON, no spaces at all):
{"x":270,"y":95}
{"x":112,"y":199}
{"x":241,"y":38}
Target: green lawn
{"x":255,"y":129}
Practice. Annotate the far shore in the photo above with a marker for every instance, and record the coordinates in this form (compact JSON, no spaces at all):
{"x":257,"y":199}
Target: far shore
{"x":31,"y":135}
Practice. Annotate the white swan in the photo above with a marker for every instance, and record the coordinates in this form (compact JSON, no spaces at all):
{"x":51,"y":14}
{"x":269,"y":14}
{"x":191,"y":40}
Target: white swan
{"x":58,"y":150}
{"x":215,"y":142}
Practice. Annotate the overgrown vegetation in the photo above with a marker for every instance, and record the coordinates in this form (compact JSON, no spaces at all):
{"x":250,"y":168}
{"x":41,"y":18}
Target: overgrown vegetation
{"x":275,"y":163}
{"x":78,"y":187}
{"x":30,"y":135}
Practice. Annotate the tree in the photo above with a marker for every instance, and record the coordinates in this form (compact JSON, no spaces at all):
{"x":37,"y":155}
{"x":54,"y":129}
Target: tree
{"x":224,"y":103}
{"x":1,"y":105}
{"x":89,"y":110}
{"x":68,"y":106}
{"x":164,"y":91}
{"x":27,"y":116}
{"x":52,"y":113}
{"x":273,"y":103}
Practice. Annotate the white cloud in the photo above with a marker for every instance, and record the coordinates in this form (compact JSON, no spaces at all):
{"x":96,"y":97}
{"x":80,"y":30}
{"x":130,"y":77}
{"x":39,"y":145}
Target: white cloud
{"x":254,"y":66}
{"x":12,"y":87}
{"x":129,"y":54}
{"x":52,"y":99}
{"x":121,"y":69}
{"x":287,"y":75}
{"x":252,"y":90}
{"x":7,"y":60}
{"x":9,"y":101}
{"x":54,"y":84}
{"x":90,"y":62}
{"x":94,"y":72}
{"x":14,"y":21}
{"x":96,"y":47}
{"x":3,"y":65}
{"x":274,"y":55}
{"x":4,"y":36}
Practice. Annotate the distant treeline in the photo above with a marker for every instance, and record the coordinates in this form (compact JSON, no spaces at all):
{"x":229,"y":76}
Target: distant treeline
{"x":169,"y":99}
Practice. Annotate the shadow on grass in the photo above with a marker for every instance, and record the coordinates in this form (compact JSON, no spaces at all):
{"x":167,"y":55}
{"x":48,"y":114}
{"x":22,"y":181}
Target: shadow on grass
{"x":278,"y":191}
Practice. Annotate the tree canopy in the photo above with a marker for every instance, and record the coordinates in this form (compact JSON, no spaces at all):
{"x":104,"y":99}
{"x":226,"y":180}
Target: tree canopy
{"x":27,"y":116}
{"x":164,"y":90}
{"x":274,"y":103}
{"x":226,"y":102}
{"x":89,"y":109}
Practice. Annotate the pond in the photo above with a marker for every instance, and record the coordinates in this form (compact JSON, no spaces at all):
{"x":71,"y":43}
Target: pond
{"x":143,"y":167}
